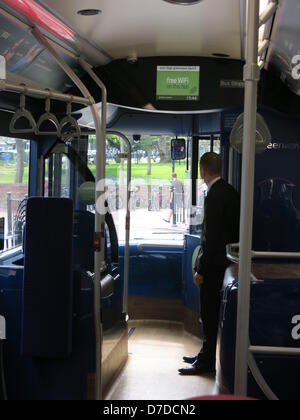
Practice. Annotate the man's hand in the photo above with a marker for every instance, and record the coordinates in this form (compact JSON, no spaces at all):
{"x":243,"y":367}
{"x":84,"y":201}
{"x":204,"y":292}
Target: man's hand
{"x":198,"y":279}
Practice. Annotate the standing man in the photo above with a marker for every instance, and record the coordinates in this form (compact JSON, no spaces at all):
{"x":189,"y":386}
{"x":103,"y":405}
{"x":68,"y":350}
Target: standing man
{"x":220,"y":227}
{"x":176,"y":196}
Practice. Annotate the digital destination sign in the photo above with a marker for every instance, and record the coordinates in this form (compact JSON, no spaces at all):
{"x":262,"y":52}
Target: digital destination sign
{"x":178,"y":83}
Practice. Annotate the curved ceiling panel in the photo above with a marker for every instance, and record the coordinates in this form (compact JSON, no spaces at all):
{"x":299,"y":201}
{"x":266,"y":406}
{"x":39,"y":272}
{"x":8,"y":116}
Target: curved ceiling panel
{"x":143,"y":28}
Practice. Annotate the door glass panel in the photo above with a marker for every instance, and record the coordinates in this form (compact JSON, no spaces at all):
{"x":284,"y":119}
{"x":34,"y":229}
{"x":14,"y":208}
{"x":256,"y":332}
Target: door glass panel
{"x":14,"y":176}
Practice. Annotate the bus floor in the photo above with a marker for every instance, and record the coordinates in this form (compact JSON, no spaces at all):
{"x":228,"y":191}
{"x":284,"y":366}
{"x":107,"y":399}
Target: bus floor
{"x":155,"y":355}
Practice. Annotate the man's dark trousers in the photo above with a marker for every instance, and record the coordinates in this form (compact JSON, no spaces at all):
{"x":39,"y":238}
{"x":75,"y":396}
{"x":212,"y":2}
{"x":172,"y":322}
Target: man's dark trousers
{"x":210,"y":302}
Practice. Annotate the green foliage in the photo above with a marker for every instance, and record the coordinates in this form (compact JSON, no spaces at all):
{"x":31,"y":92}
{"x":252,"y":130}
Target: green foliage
{"x":112,"y":141}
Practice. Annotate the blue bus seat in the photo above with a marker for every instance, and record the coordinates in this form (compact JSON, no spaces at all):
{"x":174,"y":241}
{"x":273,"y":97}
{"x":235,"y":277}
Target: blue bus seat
{"x":276,"y":218}
{"x":48,"y":281}
{"x":275,"y":300}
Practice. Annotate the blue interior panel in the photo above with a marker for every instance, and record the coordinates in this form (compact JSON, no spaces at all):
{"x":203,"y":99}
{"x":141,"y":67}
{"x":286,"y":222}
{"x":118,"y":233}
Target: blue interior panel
{"x":154,"y":270}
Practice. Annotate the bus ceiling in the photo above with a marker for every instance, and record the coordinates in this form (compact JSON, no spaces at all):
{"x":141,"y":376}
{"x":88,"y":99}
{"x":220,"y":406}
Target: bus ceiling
{"x":143,"y":28}
{"x":126,"y":54}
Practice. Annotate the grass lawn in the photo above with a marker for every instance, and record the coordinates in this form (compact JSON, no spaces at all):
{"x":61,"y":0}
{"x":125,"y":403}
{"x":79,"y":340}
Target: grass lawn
{"x":8,"y":171}
{"x":158,"y":171}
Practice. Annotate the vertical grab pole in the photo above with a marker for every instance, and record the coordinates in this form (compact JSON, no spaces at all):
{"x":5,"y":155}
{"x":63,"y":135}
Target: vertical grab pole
{"x":3,"y":394}
{"x":99,"y":216}
{"x":127,"y":227}
{"x":127,"y":224}
{"x":96,"y":79}
{"x":9,"y":214}
{"x":99,"y":82}
{"x":251,"y":77}
{"x":100,"y":190}
{"x":230,"y":166}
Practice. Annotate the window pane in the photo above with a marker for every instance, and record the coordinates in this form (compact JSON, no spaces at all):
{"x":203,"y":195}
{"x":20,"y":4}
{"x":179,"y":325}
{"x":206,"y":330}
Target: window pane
{"x":150,"y":189}
{"x":217,"y":146}
{"x":14,"y":172}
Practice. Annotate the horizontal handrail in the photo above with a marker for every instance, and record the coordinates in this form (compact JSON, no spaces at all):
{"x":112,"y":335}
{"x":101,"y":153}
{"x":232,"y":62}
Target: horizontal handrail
{"x":280,"y":351}
{"x":234,"y":256}
{"x":273,"y":255}
{"x":68,"y":121}
{"x":154,"y":246}
{"x":43,"y":93}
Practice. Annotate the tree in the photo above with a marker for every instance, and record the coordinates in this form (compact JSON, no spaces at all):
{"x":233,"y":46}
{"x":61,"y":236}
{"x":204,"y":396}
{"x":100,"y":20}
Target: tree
{"x":20,"y":161}
{"x":113,"y":141}
{"x":148,"y":144}
{"x":164,"y":147}
{"x":149,"y":156}
{"x":122,"y":168}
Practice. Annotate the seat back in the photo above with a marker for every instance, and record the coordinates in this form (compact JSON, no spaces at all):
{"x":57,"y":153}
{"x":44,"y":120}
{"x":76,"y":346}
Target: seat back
{"x":48,"y":282}
{"x":277,"y":191}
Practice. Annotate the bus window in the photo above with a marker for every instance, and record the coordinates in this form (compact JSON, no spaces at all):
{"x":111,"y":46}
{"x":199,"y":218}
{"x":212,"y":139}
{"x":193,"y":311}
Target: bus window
{"x":209,"y":145}
{"x":217,"y":146}
{"x":57,"y":176}
{"x":206,"y":144}
{"x":115,"y":182}
{"x":14,"y":170}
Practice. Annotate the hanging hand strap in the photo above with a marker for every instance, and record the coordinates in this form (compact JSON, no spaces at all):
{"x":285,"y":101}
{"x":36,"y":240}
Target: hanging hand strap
{"x":71,"y":126}
{"x":22,"y":113}
{"x":48,"y":117}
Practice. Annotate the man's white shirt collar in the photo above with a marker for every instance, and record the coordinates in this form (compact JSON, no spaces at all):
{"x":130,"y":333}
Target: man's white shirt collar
{"x":210,"y":184}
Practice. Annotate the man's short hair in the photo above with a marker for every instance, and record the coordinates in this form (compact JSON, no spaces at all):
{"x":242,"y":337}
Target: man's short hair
{"x":174,"y":175}
{"x":212,"y":163}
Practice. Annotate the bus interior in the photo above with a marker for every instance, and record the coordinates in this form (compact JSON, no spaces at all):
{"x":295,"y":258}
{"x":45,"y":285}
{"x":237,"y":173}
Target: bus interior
{"x":101,"y":304}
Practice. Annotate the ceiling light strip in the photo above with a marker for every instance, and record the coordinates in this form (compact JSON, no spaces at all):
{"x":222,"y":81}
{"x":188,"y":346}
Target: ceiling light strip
{"x":183,"y":2}
{"x":41,"y":17}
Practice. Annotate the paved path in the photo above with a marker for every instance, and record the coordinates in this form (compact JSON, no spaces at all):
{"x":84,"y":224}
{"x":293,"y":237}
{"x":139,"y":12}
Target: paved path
{"x":148,"y":225}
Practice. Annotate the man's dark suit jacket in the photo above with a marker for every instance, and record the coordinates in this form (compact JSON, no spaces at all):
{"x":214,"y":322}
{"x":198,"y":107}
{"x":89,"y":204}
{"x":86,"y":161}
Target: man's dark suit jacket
{"x":220,"y":227}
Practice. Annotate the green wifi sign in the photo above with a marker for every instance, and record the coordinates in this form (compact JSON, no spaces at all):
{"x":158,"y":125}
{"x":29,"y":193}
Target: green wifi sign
{"x":180,"y":83}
